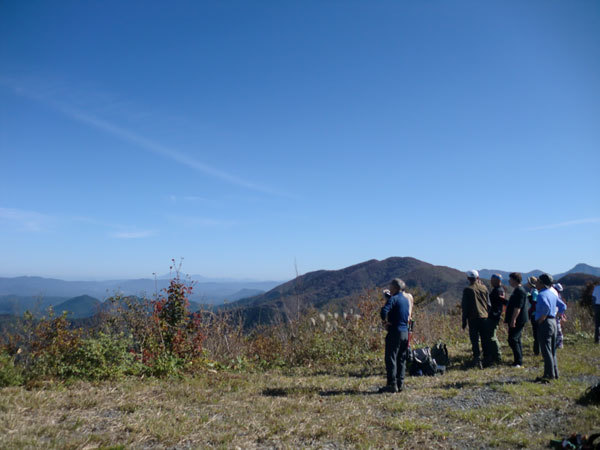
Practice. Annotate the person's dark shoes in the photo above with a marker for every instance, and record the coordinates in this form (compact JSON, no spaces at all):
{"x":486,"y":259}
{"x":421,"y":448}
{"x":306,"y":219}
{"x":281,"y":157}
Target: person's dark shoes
{"x":542,"y":380}
{"x":389,"y":389}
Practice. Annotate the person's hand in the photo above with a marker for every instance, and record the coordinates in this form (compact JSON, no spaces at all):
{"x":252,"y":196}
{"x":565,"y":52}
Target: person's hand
{"x":386,"y":293}
{"x":513,"y":324}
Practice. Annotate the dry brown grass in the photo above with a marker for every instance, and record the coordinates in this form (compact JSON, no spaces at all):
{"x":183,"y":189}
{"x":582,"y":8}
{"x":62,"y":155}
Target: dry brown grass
{"x":308,"y":408}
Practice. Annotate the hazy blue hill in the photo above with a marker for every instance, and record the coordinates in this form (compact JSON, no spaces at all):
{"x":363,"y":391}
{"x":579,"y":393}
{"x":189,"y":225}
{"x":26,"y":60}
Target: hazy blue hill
{"x":486,"y":274}
{"x":581,"y":268}
{"x":209,"y":292}
{"x":578,"y":279}
{"x":15,"y":305}
{"x":245,"y":293}
{"x":574,"y":284}
{"x":79,"y":307}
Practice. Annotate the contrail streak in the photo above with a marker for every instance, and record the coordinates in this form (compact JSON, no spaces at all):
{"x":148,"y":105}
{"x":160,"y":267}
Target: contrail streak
{"x":142,"y":142}
{"x":565,"y":224}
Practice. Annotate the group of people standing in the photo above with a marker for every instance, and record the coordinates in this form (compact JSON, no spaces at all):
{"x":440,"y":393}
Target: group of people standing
{"x":482,"y":313}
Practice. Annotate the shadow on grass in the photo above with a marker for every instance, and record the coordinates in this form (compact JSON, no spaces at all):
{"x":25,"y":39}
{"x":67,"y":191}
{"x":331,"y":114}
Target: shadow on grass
{"x":461,"y":363}
{"x":459,"y":385}
{"x":290,"y":391}
{"x":591,"y":396}
{"x":312,"y":390}
{"x":347,"y":392}
{"x":366,"y":373}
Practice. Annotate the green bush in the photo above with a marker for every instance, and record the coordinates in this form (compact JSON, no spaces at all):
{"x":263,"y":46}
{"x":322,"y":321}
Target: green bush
{"x":165,"y":365}
{"x":98,"y":358}
{"x":9,"y":374}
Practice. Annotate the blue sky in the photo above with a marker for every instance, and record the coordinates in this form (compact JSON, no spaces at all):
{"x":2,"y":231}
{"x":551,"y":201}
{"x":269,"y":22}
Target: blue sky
{"x":244,"y":136}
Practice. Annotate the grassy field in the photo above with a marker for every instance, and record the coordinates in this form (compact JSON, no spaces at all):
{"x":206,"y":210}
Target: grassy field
{"x":495,"y":407}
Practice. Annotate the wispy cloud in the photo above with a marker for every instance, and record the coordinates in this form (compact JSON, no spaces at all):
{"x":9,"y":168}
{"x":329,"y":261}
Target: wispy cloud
{"x":25,"y":220}
{"x":133,"y":234}
{"x":200,"y":221}
{"x":120,"y":231}
{"x":151,"y":146}
{"x":35,"y":222}
{"x":568,"y":223}
{"x":189,"y":198}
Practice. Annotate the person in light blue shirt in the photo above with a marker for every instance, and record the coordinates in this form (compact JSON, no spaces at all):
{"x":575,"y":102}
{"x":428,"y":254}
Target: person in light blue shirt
{"x":545,"y":316}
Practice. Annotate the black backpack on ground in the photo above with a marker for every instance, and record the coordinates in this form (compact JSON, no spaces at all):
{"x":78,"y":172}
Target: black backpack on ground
{"x":422,"y":363}
{"x":439,"y":352}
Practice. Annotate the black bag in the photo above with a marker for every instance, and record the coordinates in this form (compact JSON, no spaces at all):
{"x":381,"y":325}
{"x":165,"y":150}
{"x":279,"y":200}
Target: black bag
{"x":439,"y":352}
{"x":422,"y":363}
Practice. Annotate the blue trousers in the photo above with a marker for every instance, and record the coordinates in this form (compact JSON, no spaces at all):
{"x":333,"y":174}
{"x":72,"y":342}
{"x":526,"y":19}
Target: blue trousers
{"x":396,"y":352}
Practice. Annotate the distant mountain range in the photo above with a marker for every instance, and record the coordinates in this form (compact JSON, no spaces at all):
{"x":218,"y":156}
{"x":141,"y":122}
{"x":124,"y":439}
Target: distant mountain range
{"x":322,"y":289}
{"x":486,"y":274}
{"x":207,"y":292}
{"x":339,"y":288}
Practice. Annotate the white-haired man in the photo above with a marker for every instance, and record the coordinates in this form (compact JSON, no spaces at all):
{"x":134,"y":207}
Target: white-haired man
{"x":396,"y":314}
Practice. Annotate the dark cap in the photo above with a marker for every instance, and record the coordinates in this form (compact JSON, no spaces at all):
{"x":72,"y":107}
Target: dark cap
{"x":546,"y":279}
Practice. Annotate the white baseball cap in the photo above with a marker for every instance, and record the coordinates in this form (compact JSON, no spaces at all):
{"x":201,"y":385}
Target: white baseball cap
{"x":472,"y":274}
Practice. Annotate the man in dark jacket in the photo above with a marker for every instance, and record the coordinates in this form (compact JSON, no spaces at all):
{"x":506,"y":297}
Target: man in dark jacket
{"x":396,"y":315}
{"x":532,"y":297}
{"x":475,"y":309}
{"x":516,"y":317}
{"x":498,"y":303}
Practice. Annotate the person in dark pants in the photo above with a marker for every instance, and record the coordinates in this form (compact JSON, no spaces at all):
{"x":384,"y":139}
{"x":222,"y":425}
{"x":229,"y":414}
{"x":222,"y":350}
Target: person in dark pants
{"x":475,"y":306}
{"x":545,"y":315}
{"x":596,"y":302}
{"x":516,"y":317}
{"x":396,"y":314}
{"x":532,"y":297}
{"x":498,"y":303}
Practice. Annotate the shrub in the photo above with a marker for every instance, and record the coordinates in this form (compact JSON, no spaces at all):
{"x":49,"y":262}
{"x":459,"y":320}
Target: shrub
{"x":100,"y":358}
{"x":164,"y":365}
{"x":9,"y":374}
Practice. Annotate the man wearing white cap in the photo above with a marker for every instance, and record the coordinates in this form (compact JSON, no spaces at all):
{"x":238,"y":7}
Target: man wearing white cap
{"x":475,"y":310}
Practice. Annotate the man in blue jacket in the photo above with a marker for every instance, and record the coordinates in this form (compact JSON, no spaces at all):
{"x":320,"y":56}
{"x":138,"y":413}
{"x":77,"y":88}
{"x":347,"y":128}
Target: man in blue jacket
{"x":396,"y":314}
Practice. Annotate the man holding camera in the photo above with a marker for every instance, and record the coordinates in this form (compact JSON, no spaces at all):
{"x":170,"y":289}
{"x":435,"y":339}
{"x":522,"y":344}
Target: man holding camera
{"x":396,"y":314}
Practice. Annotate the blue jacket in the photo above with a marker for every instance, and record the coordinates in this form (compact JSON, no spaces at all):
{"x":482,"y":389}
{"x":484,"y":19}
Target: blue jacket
{"x":396,"y":311}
